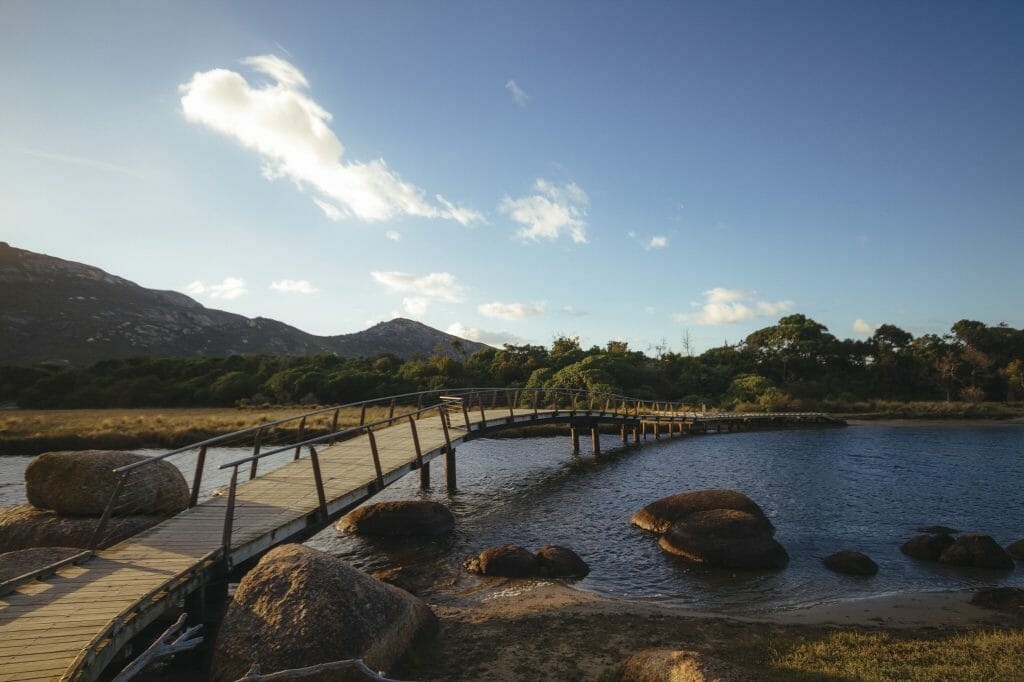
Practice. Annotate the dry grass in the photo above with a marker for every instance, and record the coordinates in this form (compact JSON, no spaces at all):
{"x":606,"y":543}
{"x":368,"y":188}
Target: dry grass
{"x":975,"y":655}
{"x":33,"y":431}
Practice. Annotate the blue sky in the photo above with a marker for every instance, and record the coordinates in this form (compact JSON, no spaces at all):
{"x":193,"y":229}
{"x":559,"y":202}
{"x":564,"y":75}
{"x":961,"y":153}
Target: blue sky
{"x":518,"y":171}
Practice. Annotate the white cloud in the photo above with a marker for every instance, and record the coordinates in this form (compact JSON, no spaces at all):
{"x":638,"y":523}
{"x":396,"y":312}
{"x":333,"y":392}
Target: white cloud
{"x":393,"y":236}
{"x":228,"y":290}
{"x":728,"y":306}
{"x":294,"y":286}
{"x":551,"y":212}
{"x":510,"y":311}
{"x":862,"y":327}
{"x":518,"y":96}
{"x":657,"y":242}
{"x":496,"y":339}
{"x":569,"y":311}
{"x":281,"y":122}
{"x":436,"y":285}
{"x":415,"y":305}
{"x":631,"y":234}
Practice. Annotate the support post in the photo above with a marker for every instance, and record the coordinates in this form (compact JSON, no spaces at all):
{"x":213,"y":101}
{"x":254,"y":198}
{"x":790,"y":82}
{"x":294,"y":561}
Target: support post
{"x":257,"y":442}
{"x":376,"y":459}
{"x":302,"y":435}
{"x":197,"y":479}
{"x":425,"y":475}
{"x":319,"y":480}
{"x":229,"y":517}
{"x":595,"y":440}
{"x":574,"y":437}
{"x":625,"y":439}
{"x":334,"y":426}
{"x":636,"y":434}
{"x":449,"y":469}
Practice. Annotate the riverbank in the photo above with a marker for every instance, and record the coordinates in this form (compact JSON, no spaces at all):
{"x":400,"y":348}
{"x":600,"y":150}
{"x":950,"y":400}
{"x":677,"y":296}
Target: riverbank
{"x":30,"y":432}
{"x":515,"y":630}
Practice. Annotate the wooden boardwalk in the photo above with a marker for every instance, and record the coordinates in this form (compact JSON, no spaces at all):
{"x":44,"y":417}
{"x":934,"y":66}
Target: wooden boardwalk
{"x":71,"y":625}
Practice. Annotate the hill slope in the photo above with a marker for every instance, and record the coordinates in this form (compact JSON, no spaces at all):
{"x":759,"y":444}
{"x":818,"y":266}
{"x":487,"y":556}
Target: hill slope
{"x":54,"y":310}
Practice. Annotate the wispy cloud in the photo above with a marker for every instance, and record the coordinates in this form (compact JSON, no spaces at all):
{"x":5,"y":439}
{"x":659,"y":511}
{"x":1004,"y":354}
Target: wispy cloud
{"x":437,"y":285}
{"x":569,"y":311}
{"x":294,"y":286}
{"x":862,"y":327}
{"x":393,"y":236}
{"x":728,"y":306}
{"x":415,"y":305}
{"x":95,"y":164}
{"x":510,"y":311}
{"x":491,"y":338}
{"x":518,"y":96}
{"x":657,"y":242}
{"x":550,"y":213}
{"x":289,"y":129}
{"x":228,"y":290}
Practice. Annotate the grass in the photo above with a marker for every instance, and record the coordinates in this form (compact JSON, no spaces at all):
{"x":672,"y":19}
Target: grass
{"x":847,"y":655}
{"x":35,"y":431}
{"x":890,"y":409}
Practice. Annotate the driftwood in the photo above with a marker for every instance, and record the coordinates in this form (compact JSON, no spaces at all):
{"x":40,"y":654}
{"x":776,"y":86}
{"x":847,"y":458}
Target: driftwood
{"x":302,"y":673}
{"x":163,"y":646}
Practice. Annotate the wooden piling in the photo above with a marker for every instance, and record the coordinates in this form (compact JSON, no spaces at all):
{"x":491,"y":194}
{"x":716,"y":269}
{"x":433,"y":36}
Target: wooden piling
{"x":595,"y":439}
{"x":425,"y":475}
{"x":449,"y":469}
{"x":574,"y":436}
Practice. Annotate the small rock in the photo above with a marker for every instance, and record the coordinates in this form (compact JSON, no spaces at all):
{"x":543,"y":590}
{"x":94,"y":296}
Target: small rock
{"x":999,"y":598}
{"x":725,"y":538}
{"x":81,"y":483}
{"x":415,"y":578}
{"x":1016,"y":550}
{"x":666,"y":665}
{"x":926,"y":547}
{"x":509,"y":561}
{"x":852,"y":563}
{"x":660,"y":515}
{"x":560,"y":562}
{"x":977,"y":551}
{"x":399,"y":518}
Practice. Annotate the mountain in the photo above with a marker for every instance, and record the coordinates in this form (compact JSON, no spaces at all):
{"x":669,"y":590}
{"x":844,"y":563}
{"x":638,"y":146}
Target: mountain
{"x":54,"y":310}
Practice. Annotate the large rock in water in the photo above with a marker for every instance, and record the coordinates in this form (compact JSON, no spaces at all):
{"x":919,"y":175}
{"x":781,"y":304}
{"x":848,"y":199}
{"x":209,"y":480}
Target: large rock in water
{"x":299,"y":607}
{"x":23,"y":526}
{"x":81,"y":483}
{"x":978,"y":551}
{"x":667,"y":665}
{"x":22,"y":561}
{"x":659,"y":516}
{"x":851,"y":562}
{"x":1016,"y":549}
{"x":508,"y":561}
{"x":725,"y":538}
{"x":926,"y":547}
{"x":555,"y":561}
{"x":400,"y":518}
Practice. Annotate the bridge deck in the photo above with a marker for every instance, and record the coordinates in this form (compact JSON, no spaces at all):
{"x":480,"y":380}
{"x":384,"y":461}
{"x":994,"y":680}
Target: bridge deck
{"x":69,"y":626}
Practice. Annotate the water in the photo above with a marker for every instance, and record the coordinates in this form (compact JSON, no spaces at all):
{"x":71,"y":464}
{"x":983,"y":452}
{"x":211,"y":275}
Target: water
{"x":864,"y":487}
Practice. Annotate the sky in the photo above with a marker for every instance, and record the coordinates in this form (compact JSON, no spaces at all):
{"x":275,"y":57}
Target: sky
{"x":675,"y":175}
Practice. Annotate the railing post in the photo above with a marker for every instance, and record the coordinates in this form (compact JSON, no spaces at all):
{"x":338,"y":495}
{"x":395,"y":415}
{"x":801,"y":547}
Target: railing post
{"x":483,"y":417}
{"x":302,"y":436}
{"x":391,"y":410}
{"x":465,"y":412}
{"x":197,"y":478}
{"x":229,"y":517}
{"x":334,"y":426}
{"x":101,"y":526}
{"x":321,"y":496}
{"x":511,"y":411}
{"x":362,"y":415}
{"x":255,"y":451}
{"x":572,"y":404}
{"x":416,"y":442}
{"x":376,"y":459}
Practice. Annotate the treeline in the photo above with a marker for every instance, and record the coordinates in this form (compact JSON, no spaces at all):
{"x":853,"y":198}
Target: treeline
{"x":795,"y":364}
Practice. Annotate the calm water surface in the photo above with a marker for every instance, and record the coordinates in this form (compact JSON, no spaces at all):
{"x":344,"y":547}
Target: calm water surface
{"x":863,"y":487}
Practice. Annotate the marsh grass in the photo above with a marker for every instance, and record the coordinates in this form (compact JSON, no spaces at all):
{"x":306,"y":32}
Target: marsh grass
{"x":34,"y":431}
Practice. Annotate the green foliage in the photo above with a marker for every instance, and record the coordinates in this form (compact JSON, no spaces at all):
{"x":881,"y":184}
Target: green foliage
{"x":795,"y":363}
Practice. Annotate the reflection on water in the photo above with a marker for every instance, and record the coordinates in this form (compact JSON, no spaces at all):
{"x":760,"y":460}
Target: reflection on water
{"x":863,"y":488}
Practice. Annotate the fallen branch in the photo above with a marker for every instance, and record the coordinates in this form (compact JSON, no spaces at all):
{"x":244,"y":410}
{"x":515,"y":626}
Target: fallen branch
{"x":162,"y":647}
{"x":301,"y":673}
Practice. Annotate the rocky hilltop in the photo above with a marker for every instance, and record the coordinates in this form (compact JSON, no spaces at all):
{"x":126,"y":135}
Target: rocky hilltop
{"x":54,"y":310}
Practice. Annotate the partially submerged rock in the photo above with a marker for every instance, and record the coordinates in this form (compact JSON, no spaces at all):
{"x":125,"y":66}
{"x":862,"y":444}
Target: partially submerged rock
{"x":399,"y":518}
{"x":22,"y":561}
{"x":299,"y":607}
{"x":1016,"y":549}
{"x":851,"y":562}
{"x":23,"y":526}
{"x":660,"y":515}
{"x":509,"y":561}
{"x":977,"y":551}
{"x":555,"y":561}
{"x":926,"y":547}
{"x":725,"y":538}
{"x":80,"y":483}
{"x":667,"y":665}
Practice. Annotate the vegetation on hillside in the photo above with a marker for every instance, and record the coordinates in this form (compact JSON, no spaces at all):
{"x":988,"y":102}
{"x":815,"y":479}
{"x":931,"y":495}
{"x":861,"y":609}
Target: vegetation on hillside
{"x":794,"y":364}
